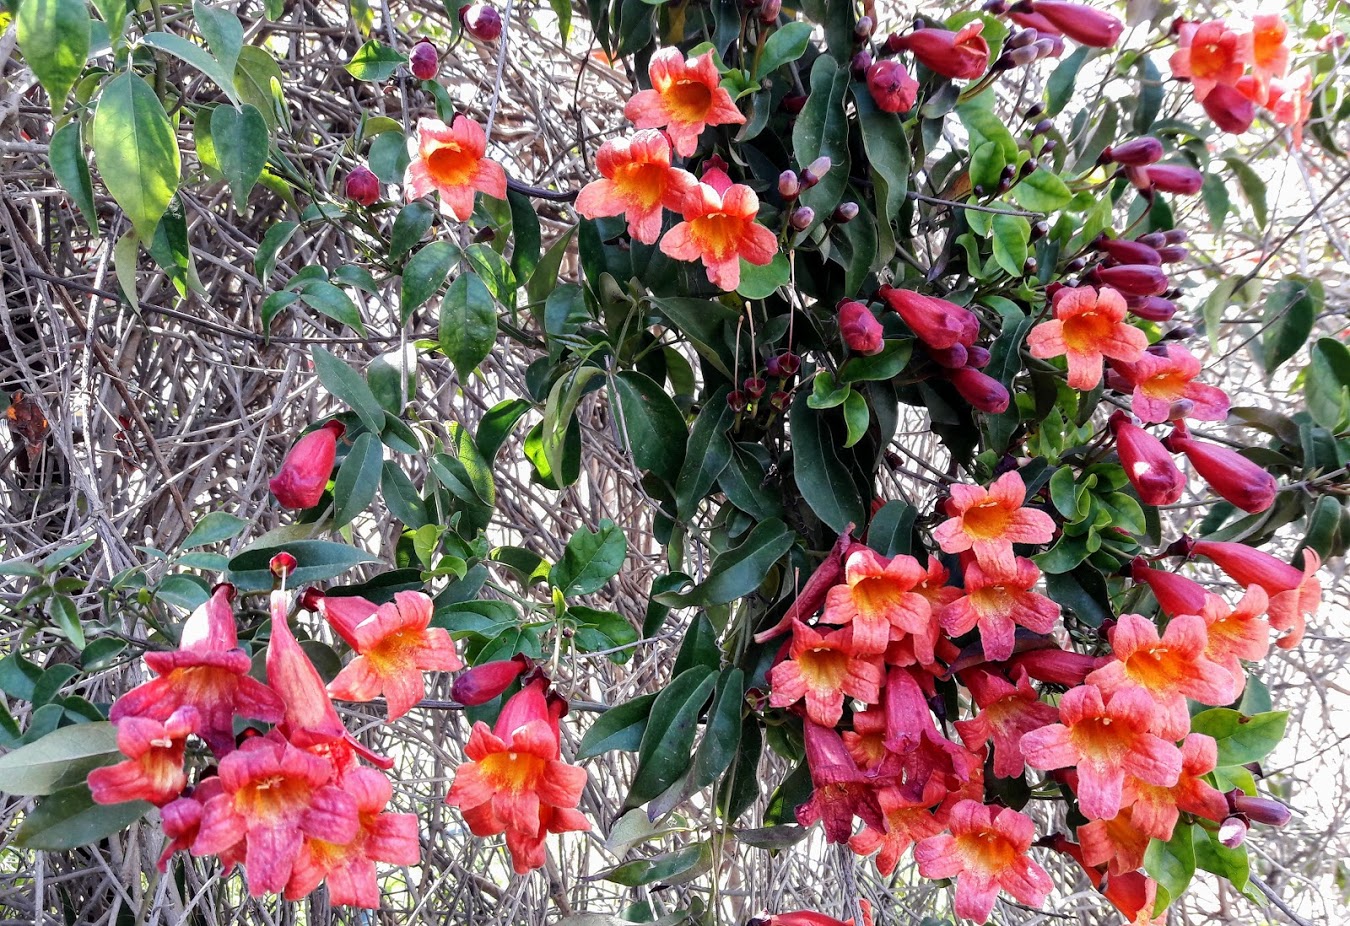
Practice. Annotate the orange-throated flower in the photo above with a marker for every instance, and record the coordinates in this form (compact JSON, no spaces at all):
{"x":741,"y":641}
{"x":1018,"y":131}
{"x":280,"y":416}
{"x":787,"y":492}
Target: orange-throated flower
{"x":1237,"y":633}
{"x":1118,"y":843}
{"x":304,"y":473}
{"x":997,"y":604}
{"x":395,"y":643}
{"x":1157,"y":807}
{"x":153,"y":770}
{"x":1294,"y":594}
{"x":1089,"y":324}
{"x":719,"y":229}
{"x":516,"y":782}
{"x":686,"y":97}
{"x":989,"y":521}
{"x":1006,"y":713}
{"x":986,"y":851}
{"x":841,"y":790}
{"x":1163,"y":387}
{"x":823,"y":669}
{"x":1105,"y":740}
{"x":1270,"y":56}
{"x":879,"y":597}
{"x":636,"y":181}
{"x":1290,"y":101}
{"x":907,"y":822}
{"x":451,"y":159}
{"x":1209,"y":54}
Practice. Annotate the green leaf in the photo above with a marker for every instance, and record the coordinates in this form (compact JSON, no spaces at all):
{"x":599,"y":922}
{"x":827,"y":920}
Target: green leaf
{"x":620,"y":727}
{"x":590,"y":560}
{"x":389,"y":158}
{"x":54,"y":38}
{"x":984,"y":125}
{"x":821,"y":477}
{"x":1171,"y":864}
{"x":856,"y":417}
{"x":679,"y":866}
{"x":1327,"y":385}
{"x":241,"y":141}
{"x":468,"y":323}
{"x":1252,"y":186}
{"x":222,"y":31}
{"x":375,"y":62}
{"x":667,"y":743}
{"x":1064,"y":492}
{"x":101,"y":653}
{"x":114,"y":13}
{"x":892,"y":529}
{"x":1233,"y":865}
{"x":1059,"y":88}
{"x":136,"y":150}
{"x":214,"y":527}
{"x":198,"y":57}
{"x":1290,"y":310}
{"x":708,"y":454}
{"x":183,"y":591}
{"x":762,"y":281}
{"x":651,"y":424}
{"x":316,"y":560}
{"x":331,"y":301}
{"x":254,"y":74}
{"x":1241,"y":739}
{"x":497,"y":423}
{"x":71,"y":169}
{"x":66,"y":616}
{"x":1011,"y":234}
{"x":69,"y":818}
{"x":888,"y":364}
{"x":358,"y":479}
{"x":1080,"y":589}
{"x":722,"y":735}
{"x":401,"y":496}
{"x":274,"y":239}
{"x":737,"y":572}
{"x":59,"y":759}
{"x":822,"y":129}
{"x":410,"y":225}
{"x":347,"y":385}
{"x":787,"y":43}
{"x":1040,"y":191}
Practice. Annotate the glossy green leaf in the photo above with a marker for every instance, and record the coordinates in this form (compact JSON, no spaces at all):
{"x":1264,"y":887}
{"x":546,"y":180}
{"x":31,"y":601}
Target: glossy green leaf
{"x":254,"y":74}
{"x":621,"y":727}
{"x":223,"y":33}
{"x":316,"y":560}
{"x":468,"y":323}
{"x":787,"y":43}
{"x":651,"y":424}
{"x":722,"y":733}
{"x":667,"y":743}
{"x":762,"y":281}
{"x":274,"y":239}
{"x":423,"y":275}
{"x":136,"y":151}
{"x":1011,"y":235}
{"x":1241,"y":739}
{"x":1171,"y":864}
{"x":1327,"y":385}
{"x":358,"y":479}
{"x":1040,"y":191}
{"x":401,"y":496}
{"x":389,"y":159}
{"x":348,"y":386}
{"x":590,"y":560}
{"x":59,"y":759}
{"x":241,"y":143}
{"x":1287,"y":320}
{"x":709,"y":452}
{"x":821,"y":477}
{"x":54,"y":38}
{"x":214,"y":527}
{"x":821,"y":129}
{"x":69,"y":818}
{"x":737,"y":572}
{"x":497,"y":423}
{"x":375,"y":62}
{"x":66,"y":155}
{"x":1059,"y":88}
{"x":198,"y":57}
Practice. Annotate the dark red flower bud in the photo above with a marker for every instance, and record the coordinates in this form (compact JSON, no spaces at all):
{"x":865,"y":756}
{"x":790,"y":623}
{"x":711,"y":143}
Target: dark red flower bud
{"x":981,"y":390}
{"x":482,"y":21}
{"x":1133,"y":279}
{"x":1262,"y":809}
{"x":769,"y":11}
{"x":282,"y":564}
{"x":1073,"y":266}
{"x":953,"y":358}
{"x":1137,"y":152}
{"x":859,"y":328}
{"x":1083,"y":24}
{"x":860,"y":63}
{"x":977,"y":357}
{"x":1176,"y":594}
{"x":793,"y":103}
{"x":1028,"y":20}
{"x":304,"y":473}
{"x":1057,"y":666}
{"x":844,"y":213}
{"x":936,"y":322}
{"x":1169,"y":178}
{"x":309,"y":598}
{"x":1129,"y":252}
{"x":1022,"y":38}
{"x":481,"y":684}
{"x":1230,"y":474}
{"x":736,"y":401}
{"x":424,"y":61}
{"x":754,"y":387}
{"x":1033,"y":111}
{"x":1173,"y":253}
{"x":1231,"y":111}
{"x":779,"y":400}
{"x":891,"y":86}
{"x":1017,"y":58}
{"x":1176,"y":236}
{"x":362,"y":186}
{"x":1148,"y":465}
{"x":1151,"y":308}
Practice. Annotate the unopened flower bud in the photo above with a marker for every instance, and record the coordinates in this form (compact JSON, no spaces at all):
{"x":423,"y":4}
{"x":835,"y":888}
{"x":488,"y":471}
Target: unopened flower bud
{"x":980,"y":390}
{"x":1042,"y":127}
{"x":793,"y":103}
{"x":859,"y":328}
{"x":1172,"y":254}
{"x":362,"y":186}
{"x":1031,"y":266}
{"x":891,"y":86}
{"x":482,"y":21}
{"x":424,"y":61}
{"x":1049,"y":145}
{"x":1075,"y":265}
{"x":1179,"y":333}
{"x":1134,"y":279}
{"x":1016,"y":58}
{"x":1232,"y":832}
{"x":1175,"y":236}
{"x":860,"y":62}
{"x":1040,"y":230}
{"x":1083,"y":24}
{"x":1022,"y":38}
{"x":754,"y":386}
{"x":309,"y":598}
{"x":953,"y":358}
{"x":1135,"y":153}
{"x":844,"y":213}
{"x":1178,"y":179}
{"x":282,"y":564}
{"x":977,"y":357}
{"x":304,"y":473}
{"x":862,"y":29}
{"x":1262,"y":809}
{"x":769,"y":11}
{"x":1234,"y":477}
{"x":1151,"y":308}
{"x":802,"y":217}
{"x":1148,"y":465}
{"x":1123,"y":251}
{"x":789,"y":187}
{"x":1049,"y":46}
{"x":815,"y":171}
{"x":997,"y":7}
{"x":481,"y":684}
{"x":1035,"y":110}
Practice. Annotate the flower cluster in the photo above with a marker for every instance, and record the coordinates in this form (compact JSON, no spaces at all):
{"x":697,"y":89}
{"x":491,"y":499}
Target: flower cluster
{"x":1233,"y":71}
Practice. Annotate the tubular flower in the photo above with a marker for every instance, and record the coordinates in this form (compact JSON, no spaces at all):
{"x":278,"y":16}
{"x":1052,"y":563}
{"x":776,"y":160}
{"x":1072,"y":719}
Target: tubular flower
{"x":1105,"y":741}
{"x":997,"y":604}
{"x":1231,"y":109}
{"x":866,"y":742}
{"x":907,"y":822}
{"x":812,"y":918}
{"x":451,"y":160}
{"x":859,"y":328}
{"x":1163,"y":386}
{"x":1081,"y":23}
{"x":1293,"y":594}
{"x":208,"y":673}
{"x":1088,"y":325}
{"x":989,"y":521}
{"x":304,"y":473}
{"x":938,"y":323}
{"x":1147,"y":463}
{"x":1156,"y":808}
{"x":841,"y":790}
{"x":273,"y":796}
{"x":879,"y":599}
{"x":1270,"y":56}
{"x":1239,"y":633}
{"x":963,"y":54}
{"x":1117,"y":843}
{"x":487,"y":680}
{"x":981,"y":390}
{"x":1169,"y":668}
{"x":823,"y":669}
{"x":1228,"y":472}
{"x":1176,"y":594}
{"x":181,"y":820}
{"x":891,"y":86}
{"x":985,"y":851}
{"x":515,"y":781}
{"x":154,"y":768}
{"x":812,"y":596}
{"x":349,"y":867}
{"x":1210,"y":54}
{"x":396,"y":645}
{"x":1057,"y":666}
{"x":1006,"y":713}
{"x":686,"y":97}
{"x":719,"y":228}
{"x":309,"y":719}
{"x":637,"y":181}
{"x":1180,"y":179}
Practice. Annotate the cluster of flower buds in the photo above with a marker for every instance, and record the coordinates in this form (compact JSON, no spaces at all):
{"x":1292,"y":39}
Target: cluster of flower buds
{"x":1134,"y":268}
{"x":948,"y":333}
{"x":1025,"y":46}
{"x":1140,"y":156}
{"x":780,"y":368}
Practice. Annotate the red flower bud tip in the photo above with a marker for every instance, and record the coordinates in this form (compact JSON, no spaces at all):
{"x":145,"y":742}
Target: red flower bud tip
{"x":789,"y":187}
{"x":304,"y":473}
{"x":1052,"y":46}
{"x":311,"y":599}
{"x":963,"y":55}
{"x":1137,"y":152}
{"x":1173,"y":254}
{"x":1232,"y":832}
{"x":844,"y":213}
{"x":1231,"y":111}
{"x":1133,"y":279}
{"x":953,"y":358}
{"x":424,"y":61}
{"x":802,"y":217}
{"x":980,"y":390}
{"x":1148,"y":465}
{"x":1151,"y":308}
{"x":1083,"y":24}
{"x":770,"y":11}
{"x":1129,"y":252}
{"x":1028,"y":20}
{"x":1262,"y":809}
{"x":1060,"y":667}
{"x":1236,"y":478}
{"x":936,"y":322}
{"x":1168,"y":178}
{"x":859,"y":328}
{"x":789,"y":363}
{"x":754,"y":387}
{"x":736,"y":401}
{"x":481,"y":684}
{"x":1176,"y":594}
{"x":482,"y":21}
{"x":977,"y":357}
{"x":892,"y":87}
{"x":1017,"y":58}
{"x":362,"y":186}
{"x":814,"y":591}
{"x":282,"y":565}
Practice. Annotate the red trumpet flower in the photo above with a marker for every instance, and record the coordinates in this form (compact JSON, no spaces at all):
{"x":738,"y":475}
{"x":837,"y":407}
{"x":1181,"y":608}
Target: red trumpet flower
{"x":963,"y":54}
{"x":304,"y":473}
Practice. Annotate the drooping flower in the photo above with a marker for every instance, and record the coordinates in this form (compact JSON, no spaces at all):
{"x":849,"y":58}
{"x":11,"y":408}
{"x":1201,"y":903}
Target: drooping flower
{"x":1169,"y":668}
{"x":998,"y":604}
{"x":936,"y":322}
{"x":1104,"y":740}
{"x":989,"y":521}
{"x":208,"y":673}
{"x":273,"y":796}
{"x":1006,"y":713}
{"x":719,"y":229}
{"x":1237,"y":633}
{"x":1209,"y":54}
{"x":686,"y":97}
{"x":349,"y":867}
{"x":841,"y":790}
{"x":1236,"y":478}
{"x":963,"y":54}
{"x":1089,"y":324}
{"x":516,"y":782}
{"x":1117,"y":843}
{"x":824,"y":669}
{"x":1147,"y":463}
{"x":1163,"y":387}
{"x":918,"y":754}
{"x":878,"y":598}
{"x":153,"y":770}
{"x":813,"y":593}
{"x":1291,"y":102}
{"x":986,"y":851}
{"x":304,"y":473}
{"x":451,"y":159}
{"x":636,"y":180}
{"x":1231,"y":109}
{"x":1294,"y":594}
{"x":1083,"y":24}
{"x":1156,"y":808}
{"x":907,"y":822}
{"x":396,"y":644}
